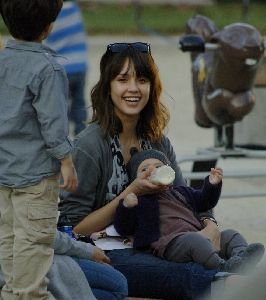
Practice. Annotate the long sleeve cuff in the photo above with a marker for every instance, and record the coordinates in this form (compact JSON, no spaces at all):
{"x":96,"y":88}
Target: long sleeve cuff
{"x":61,"y":150}
{"x":213,"y":187}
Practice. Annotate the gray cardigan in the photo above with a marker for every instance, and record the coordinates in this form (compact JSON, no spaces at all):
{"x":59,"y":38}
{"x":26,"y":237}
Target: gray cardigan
{"x":94,"y":164}
{"x":66,"y":279}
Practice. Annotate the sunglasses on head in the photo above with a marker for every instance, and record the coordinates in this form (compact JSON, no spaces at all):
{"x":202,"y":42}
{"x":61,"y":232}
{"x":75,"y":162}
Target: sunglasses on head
{"x":119,"y":47}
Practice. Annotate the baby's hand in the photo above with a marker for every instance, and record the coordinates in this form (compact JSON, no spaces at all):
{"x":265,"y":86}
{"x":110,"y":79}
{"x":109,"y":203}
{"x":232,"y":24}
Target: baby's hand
{"x":98,"y":255}
{"x":130,"y":200}
{"x":216,"y":175}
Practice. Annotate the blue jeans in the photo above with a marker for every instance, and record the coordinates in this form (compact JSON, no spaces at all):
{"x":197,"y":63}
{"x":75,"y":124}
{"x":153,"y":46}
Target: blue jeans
{"x":106,"y":282}
{"x":77,"y":108}
{"x":153,"y":277}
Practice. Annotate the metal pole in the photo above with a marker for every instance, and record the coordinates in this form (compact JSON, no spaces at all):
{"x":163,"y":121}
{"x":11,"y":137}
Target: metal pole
{"x":229,"y":136}
{"x":218,"y":136}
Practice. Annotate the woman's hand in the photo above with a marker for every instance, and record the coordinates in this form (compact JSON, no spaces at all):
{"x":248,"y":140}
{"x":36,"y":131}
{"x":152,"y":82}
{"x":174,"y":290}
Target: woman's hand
{"x":211,"y":232}
{"x":99,"y":256}
{"x":142,"y":186}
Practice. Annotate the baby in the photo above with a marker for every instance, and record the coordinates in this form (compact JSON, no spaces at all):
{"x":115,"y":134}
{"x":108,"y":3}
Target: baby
{"x":167,"y":222}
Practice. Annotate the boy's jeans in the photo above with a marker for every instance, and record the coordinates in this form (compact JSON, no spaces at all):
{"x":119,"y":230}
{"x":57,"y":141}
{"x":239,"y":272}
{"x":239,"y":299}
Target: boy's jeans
{"x":27,"y":229}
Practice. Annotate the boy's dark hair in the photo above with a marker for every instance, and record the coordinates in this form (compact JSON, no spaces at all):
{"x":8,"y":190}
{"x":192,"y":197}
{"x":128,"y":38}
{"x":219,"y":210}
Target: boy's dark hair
{"x":27,"y":19}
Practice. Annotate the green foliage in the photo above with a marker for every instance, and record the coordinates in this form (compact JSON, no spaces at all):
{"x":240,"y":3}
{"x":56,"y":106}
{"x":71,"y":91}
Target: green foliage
{"x":164,"y":19}
{"x":108,"y":19}
{"x":238,"y":1}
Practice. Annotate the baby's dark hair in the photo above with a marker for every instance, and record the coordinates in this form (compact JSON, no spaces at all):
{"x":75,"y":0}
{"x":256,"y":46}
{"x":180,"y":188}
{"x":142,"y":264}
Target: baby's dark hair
{"x":27,"y":19}
{"x":137,"y":157}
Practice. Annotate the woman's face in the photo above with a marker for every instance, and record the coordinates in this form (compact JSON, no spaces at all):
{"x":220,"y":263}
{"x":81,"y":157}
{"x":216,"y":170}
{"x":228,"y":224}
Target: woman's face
{"x":129,"y":93}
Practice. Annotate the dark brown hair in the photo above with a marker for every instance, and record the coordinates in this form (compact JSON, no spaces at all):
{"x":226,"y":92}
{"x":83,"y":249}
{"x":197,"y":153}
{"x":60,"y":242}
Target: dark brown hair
{"x":27,"y":19}
{"x":153,"y":118}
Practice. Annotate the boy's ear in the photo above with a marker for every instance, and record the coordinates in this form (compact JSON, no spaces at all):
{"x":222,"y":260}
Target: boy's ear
{"x":47,"y":30}
{"x":50,"y":27}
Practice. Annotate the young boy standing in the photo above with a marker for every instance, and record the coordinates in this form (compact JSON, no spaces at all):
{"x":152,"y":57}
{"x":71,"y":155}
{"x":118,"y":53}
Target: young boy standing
{"x":34,"y":147}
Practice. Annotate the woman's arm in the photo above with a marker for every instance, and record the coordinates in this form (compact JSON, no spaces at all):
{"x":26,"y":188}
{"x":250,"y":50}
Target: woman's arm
{"x":74,"y":206}
{"x":104,"y":216}
{"x":98,"y":219}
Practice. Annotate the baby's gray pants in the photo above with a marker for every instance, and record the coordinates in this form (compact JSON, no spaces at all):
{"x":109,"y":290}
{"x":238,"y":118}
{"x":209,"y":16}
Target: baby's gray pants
{"x":193,"y":246}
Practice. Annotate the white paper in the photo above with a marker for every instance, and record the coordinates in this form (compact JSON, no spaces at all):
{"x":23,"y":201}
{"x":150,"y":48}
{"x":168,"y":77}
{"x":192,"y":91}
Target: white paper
{"x":111,"y":243}
{"x":110,"y":230}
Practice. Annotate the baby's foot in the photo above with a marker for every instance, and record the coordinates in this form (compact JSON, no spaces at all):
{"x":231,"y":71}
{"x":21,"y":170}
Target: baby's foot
{"x":232,"y":265}
{"x":246,"y":261}
{"x":251,"y":256}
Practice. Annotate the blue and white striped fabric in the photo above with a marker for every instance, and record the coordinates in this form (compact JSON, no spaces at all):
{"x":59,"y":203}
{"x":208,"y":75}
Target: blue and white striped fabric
{"x":68,"y":39}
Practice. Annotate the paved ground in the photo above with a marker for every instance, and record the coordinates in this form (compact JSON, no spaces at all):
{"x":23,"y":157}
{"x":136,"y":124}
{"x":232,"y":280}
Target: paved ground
{"x":245,"y":214}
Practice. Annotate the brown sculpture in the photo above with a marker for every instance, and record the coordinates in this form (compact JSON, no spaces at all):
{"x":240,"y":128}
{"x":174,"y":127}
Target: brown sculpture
{"x":223,"y":78}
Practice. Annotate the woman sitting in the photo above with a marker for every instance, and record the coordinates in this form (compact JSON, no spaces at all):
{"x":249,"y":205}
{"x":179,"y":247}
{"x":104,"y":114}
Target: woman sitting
{"x":128,"y":112}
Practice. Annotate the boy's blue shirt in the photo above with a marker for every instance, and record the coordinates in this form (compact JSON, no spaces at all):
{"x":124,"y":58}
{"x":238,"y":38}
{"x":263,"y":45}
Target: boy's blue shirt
{"x":33,"y":113}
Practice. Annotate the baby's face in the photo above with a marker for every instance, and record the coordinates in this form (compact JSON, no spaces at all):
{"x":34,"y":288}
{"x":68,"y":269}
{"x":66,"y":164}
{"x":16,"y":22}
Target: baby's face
{"x":149,"y":164}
